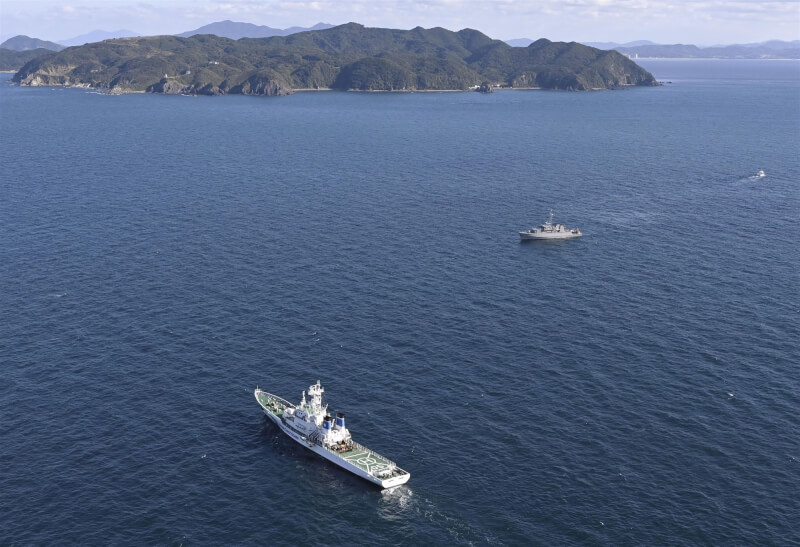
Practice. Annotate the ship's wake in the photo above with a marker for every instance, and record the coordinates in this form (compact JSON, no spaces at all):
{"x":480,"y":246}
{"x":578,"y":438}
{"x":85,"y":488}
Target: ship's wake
{"x":758,"y":176}
{"x":401,"y":504}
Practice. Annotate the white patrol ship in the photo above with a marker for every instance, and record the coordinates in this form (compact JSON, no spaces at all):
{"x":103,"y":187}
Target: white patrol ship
{"x":310,"y":425}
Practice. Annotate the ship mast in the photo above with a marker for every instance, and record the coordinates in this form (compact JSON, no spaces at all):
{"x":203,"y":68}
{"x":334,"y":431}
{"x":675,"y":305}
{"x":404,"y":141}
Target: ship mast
{"x":315,"y":392}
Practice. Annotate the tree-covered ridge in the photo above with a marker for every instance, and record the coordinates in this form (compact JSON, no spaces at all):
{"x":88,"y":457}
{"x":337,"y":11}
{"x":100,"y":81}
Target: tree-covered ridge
{"x":344,"y":57}
{"x":14,"y":60}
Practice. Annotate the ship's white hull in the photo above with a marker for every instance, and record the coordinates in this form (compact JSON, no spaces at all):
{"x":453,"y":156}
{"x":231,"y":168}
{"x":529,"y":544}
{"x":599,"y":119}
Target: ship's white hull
{"x":547,"y":235}
{"x":336,"y":458}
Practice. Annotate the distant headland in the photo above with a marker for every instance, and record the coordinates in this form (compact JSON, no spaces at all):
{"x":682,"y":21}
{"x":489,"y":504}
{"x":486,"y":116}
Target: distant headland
{"x":346,"y":57}
{"x":644,"y":49}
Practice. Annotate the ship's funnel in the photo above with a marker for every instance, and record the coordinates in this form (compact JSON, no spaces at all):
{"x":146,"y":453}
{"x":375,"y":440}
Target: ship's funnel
{"x":340,"y":420}
{"x":326,"y":423}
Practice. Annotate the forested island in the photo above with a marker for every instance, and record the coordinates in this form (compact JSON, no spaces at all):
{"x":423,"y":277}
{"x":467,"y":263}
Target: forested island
{"x":347,"y":57}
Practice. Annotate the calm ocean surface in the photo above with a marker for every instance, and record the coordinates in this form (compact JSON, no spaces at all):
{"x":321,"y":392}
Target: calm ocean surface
{"x":161,"y":256}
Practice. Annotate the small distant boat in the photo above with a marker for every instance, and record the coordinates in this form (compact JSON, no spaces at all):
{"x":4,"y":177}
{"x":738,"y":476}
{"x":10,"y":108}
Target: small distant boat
{"x":760,"y":174}
{"x":310,"y":425}
{"x":548,"y":230}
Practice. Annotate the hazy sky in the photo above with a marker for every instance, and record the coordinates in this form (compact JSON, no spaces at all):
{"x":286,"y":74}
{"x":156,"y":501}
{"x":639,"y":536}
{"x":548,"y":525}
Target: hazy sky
{"x":702,"y":22}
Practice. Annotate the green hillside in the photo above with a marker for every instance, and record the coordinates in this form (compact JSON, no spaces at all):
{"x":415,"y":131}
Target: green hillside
{"x":14,"y":60}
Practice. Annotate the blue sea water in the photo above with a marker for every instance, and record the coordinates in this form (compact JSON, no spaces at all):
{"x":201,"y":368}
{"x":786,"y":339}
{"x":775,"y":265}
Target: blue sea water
{"x":161,"y":256}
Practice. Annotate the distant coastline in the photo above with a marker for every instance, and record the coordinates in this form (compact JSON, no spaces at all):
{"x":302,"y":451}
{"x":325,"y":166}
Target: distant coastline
{"x":644,"y":49}
{"x":712,"y":59}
